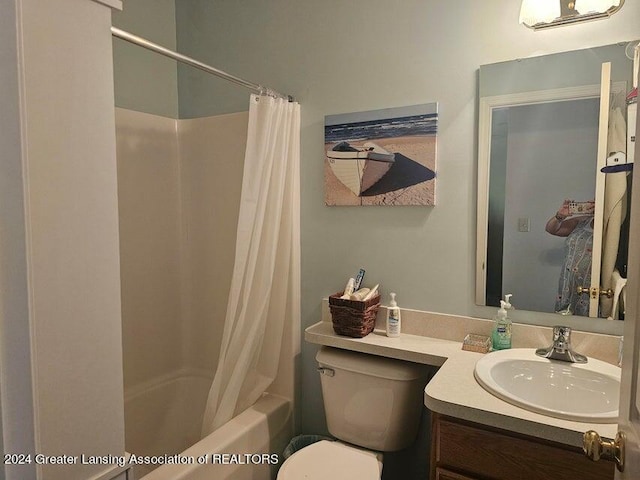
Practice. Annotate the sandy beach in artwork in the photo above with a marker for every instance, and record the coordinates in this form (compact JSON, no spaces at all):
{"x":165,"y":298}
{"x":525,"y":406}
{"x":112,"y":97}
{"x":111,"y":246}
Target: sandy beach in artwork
{"x":415,"y":152}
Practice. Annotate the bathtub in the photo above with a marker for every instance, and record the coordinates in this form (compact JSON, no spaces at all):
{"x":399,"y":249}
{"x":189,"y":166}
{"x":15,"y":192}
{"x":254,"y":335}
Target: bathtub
{"x":164,"y":418}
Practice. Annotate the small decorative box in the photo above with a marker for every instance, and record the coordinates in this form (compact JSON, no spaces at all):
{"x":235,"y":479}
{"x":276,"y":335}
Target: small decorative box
{"x":476,"y":343}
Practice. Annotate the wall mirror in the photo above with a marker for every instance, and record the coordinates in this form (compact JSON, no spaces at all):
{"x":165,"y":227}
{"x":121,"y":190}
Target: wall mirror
{"x":542,"y":139}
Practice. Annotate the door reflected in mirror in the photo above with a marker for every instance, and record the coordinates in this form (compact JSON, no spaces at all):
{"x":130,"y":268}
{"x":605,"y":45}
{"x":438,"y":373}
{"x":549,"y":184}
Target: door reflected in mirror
{"x":538,"y":148}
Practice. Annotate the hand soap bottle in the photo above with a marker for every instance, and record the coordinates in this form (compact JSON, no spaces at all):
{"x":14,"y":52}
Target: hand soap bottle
{"x":501,"y":335}
{"x":393,"y":318}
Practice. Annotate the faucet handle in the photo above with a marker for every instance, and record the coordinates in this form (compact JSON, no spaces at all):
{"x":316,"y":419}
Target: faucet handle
{"x":561,"y":338}
{"x":561,"y":347}
{"x":561,"y":334}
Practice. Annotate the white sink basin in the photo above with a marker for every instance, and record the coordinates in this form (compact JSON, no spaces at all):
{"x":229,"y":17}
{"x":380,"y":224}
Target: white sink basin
{"x":580,"y":392}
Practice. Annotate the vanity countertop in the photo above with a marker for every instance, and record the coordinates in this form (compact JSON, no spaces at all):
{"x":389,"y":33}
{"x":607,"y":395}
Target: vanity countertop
{"x":453,"y":391}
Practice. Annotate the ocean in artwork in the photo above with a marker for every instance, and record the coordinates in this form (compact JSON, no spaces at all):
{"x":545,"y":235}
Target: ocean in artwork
{"x":426,"y":124}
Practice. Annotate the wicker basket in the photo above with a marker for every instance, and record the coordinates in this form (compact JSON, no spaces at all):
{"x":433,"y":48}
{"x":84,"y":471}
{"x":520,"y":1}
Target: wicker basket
{"x":353,"y":318}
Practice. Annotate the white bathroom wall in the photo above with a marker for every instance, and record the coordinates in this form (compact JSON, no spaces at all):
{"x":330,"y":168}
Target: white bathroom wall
{"x":16,"y":388}
{"x":179,"y":186}
{"x":149,"y":213}
{"x":178,"y":192}
{"x":64,"y":276}
{"x":211,"y":151}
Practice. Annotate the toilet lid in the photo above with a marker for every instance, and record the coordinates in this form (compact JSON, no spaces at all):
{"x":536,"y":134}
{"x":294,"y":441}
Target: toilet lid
{"x":331,"y":460}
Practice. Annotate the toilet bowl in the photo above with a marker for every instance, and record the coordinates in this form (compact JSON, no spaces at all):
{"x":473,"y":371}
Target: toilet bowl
{"x":372,"y":404}
{"x":332,"y":460}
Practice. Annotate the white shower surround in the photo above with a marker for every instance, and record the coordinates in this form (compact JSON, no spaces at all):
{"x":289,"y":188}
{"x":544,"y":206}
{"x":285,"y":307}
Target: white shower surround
{"x":174,"y":427}
{"x":179,"y":191}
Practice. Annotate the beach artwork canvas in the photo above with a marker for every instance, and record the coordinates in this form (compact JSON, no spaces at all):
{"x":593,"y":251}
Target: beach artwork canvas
{"x":381,"y":157}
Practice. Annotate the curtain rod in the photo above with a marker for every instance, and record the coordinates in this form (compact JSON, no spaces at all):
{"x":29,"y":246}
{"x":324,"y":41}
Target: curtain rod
{"x":154,"y":47}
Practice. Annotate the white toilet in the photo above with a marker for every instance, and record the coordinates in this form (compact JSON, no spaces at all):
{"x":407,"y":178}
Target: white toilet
{"x":373,"y":404}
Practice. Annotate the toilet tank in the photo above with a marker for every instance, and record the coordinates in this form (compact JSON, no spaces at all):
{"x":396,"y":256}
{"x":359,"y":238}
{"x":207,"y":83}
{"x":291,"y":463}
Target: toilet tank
{"x":371,"y":401}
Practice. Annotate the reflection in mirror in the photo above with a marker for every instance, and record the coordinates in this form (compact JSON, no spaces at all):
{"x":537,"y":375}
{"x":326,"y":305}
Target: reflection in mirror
{"x":558,"y":162}
{"x":538,"y":146}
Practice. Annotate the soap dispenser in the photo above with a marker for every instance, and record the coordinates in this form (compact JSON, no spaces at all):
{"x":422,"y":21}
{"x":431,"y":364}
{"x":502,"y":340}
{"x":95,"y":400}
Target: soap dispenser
{"x":393,"y":318}
{"x":501,"y":335}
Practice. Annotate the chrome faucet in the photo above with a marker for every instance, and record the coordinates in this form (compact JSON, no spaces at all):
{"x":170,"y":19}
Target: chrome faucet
{"x":561,"y":348}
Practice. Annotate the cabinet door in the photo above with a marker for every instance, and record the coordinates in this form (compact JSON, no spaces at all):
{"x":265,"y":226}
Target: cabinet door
{"x":444,"y":474}
{"x":501,"y":455}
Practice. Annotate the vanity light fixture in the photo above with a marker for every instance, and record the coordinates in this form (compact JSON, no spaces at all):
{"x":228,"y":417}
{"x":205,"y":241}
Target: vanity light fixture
{"x":538,"y":14}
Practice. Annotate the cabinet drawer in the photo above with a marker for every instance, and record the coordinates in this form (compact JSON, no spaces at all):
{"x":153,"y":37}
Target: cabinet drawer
{"x":502,"y":456}
{"x":444,"y":474}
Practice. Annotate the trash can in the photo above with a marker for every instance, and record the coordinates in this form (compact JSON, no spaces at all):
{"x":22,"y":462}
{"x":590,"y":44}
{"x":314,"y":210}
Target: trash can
{"x":299,"y":442}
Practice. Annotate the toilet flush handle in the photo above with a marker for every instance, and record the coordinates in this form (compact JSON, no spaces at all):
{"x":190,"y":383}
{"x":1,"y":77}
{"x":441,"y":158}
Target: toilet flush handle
{"x":327,"y":371}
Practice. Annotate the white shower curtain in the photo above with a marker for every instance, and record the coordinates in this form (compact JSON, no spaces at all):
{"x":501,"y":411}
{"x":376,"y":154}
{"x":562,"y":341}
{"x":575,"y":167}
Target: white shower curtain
{"x":265,"y":287}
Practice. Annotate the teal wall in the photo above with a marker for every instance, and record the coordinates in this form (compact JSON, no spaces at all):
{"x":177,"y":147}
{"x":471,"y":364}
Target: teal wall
{"x":562,"y":70}
{"x":348,"y":56}
{"x":145,"y":81}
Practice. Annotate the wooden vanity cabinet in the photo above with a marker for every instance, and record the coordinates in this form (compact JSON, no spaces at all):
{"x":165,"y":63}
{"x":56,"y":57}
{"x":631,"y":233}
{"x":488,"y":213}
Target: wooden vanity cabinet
{"x":462,"y":450}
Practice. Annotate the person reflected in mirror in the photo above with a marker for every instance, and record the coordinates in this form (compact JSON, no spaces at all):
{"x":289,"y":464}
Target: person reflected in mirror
{"x":576,"y":224}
